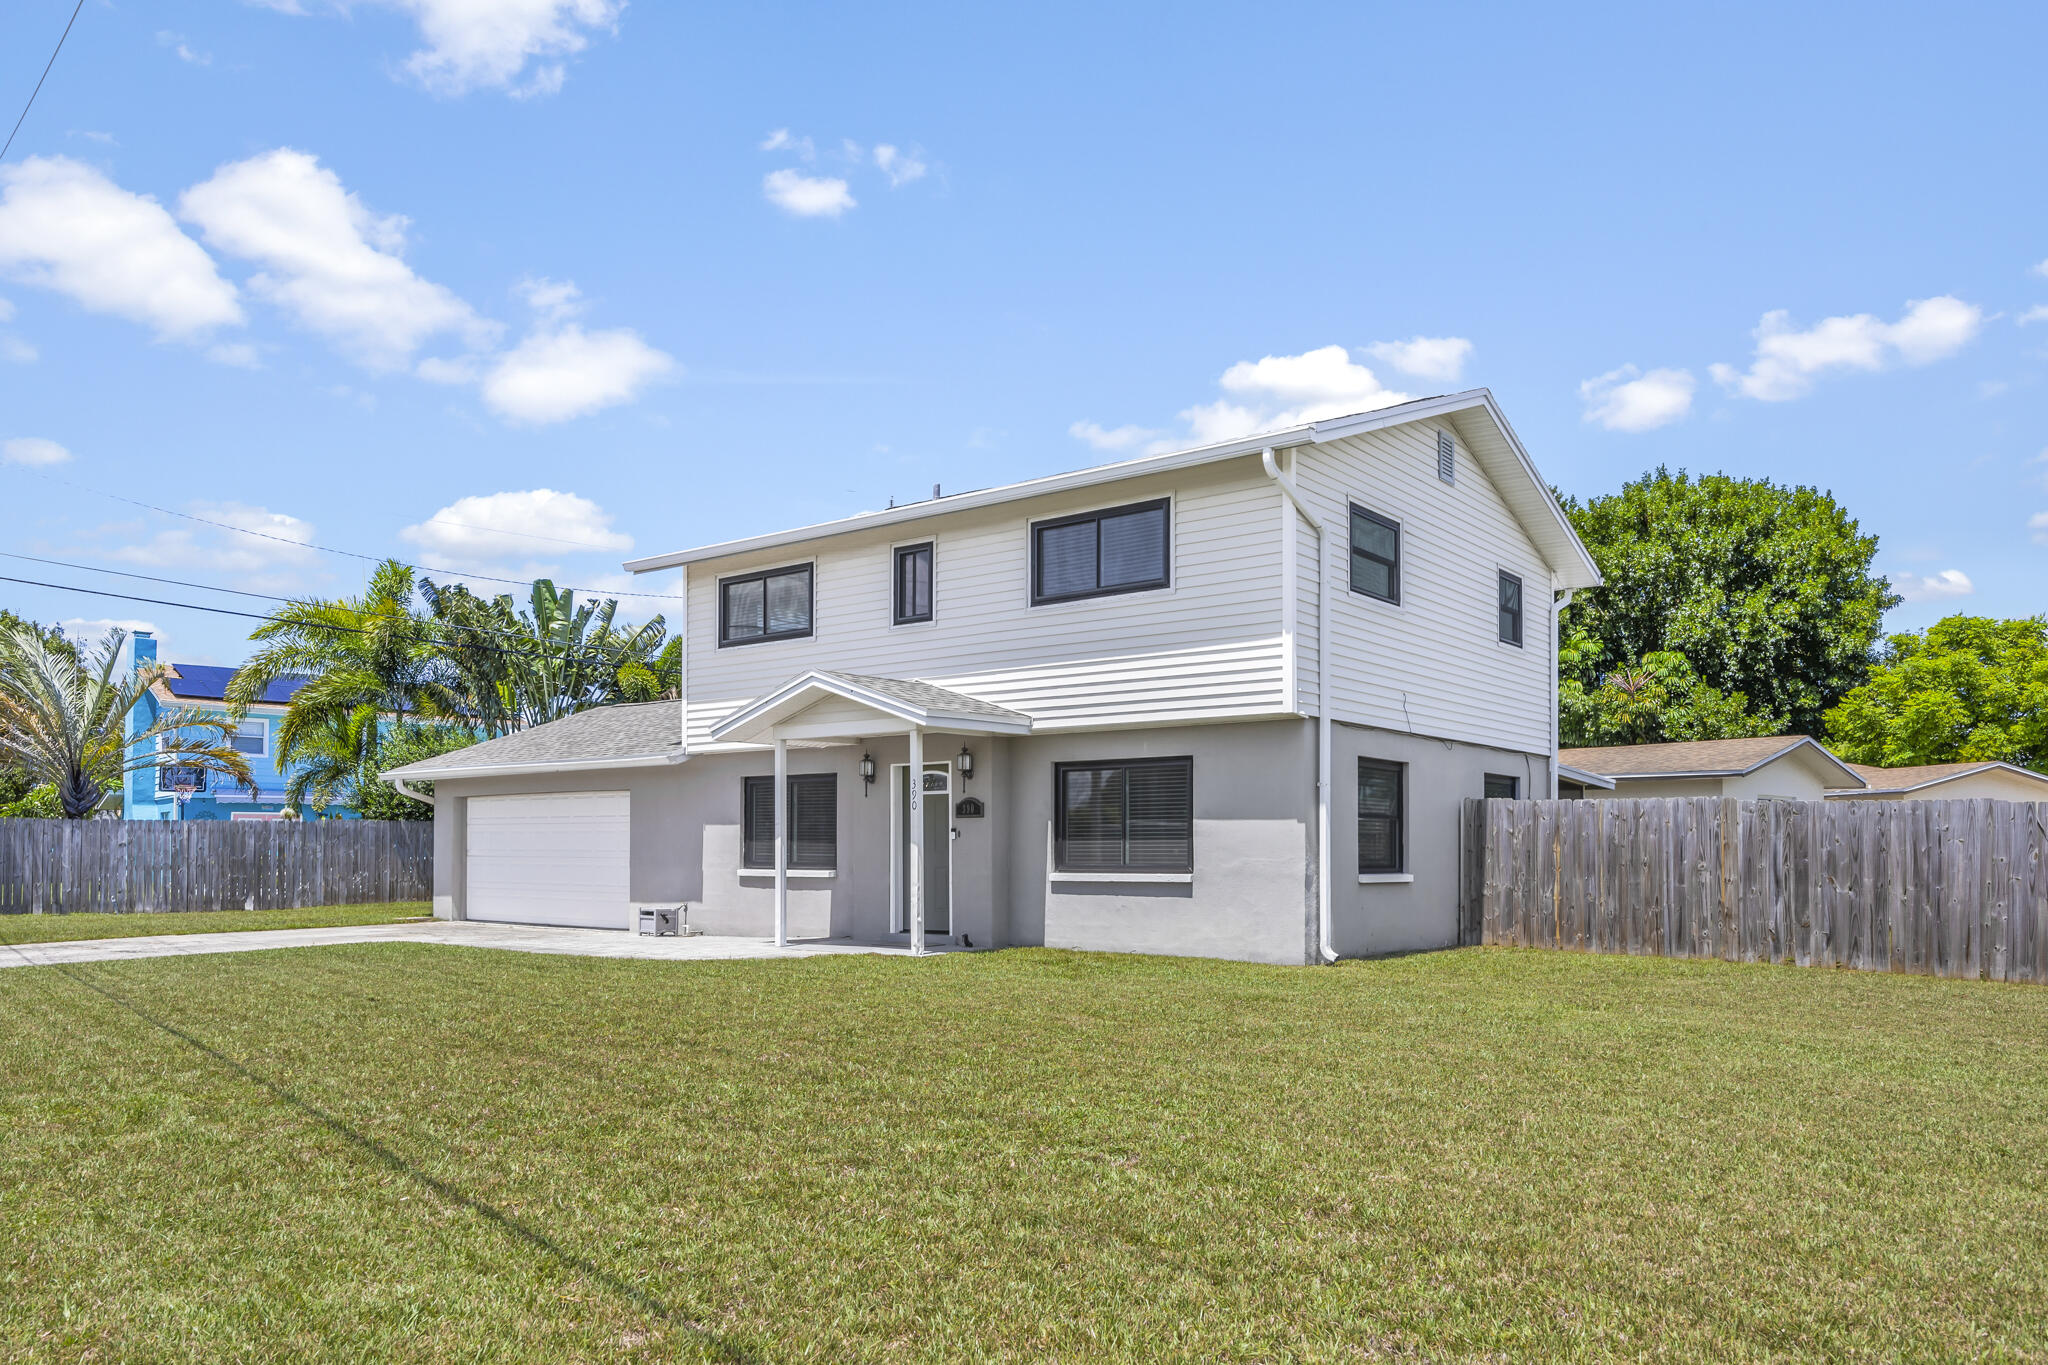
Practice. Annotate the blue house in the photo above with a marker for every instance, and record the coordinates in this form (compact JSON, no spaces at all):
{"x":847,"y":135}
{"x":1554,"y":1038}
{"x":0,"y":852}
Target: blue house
{"x":188,"y":793}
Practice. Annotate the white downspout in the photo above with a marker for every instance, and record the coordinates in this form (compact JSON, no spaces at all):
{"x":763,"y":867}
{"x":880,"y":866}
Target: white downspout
{"x":1558,"y":602}
{"x":398,"y":783}
{"x":1323,"y":731}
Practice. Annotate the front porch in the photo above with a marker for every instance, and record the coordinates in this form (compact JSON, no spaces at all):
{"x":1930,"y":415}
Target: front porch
{"x":826,"y":710}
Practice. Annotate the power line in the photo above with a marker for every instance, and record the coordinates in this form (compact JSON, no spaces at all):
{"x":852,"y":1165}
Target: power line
{"x":209,"y":587}
{"x":40,"y":79}
{"x":303,"y":625}
{"x":346,"y":554}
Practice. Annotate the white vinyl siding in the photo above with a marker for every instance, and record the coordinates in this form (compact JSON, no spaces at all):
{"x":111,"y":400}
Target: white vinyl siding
{"x":1205,"y":647}
{"x":1433,"y":664}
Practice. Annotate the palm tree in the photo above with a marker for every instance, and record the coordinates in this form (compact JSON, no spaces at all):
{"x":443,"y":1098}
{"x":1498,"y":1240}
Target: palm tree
{"x":366,"y":660}
{"x":525,"y":668}
{"x":65,"y":722}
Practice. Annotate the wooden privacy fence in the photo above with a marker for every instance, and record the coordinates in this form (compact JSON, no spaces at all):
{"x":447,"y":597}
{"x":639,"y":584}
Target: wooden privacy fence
{"x":1942,"y":888}
{"x":59,"y":866}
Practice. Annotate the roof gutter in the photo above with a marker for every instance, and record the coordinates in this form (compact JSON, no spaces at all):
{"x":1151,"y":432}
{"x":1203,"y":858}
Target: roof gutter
{"x":560,"y":765}
{"x":1270,"y":460}
{"x":399,"y":784}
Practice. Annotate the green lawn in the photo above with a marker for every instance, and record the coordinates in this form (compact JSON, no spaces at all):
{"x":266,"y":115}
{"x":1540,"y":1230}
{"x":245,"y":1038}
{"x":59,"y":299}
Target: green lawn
{"x":66,"y":928}
{"x":408,"y":1152}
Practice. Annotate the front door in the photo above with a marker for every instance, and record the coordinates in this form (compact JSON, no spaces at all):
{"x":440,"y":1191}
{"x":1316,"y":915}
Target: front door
{"x":938,"y":849}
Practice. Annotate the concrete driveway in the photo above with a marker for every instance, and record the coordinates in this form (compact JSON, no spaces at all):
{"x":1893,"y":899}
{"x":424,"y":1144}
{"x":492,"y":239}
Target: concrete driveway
{"x":520,"y":938}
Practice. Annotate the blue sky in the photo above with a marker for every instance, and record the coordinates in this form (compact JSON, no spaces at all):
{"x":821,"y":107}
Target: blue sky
{"x":535,"y":285}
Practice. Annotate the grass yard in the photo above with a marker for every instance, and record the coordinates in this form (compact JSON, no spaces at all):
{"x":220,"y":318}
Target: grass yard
{"x":67,"y":928}
{"x":414,"y":1153}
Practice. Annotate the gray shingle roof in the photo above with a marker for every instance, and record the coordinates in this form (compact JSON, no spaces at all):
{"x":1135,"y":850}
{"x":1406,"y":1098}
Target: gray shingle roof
{"x":631,"y":730}
{"x":1905,"y":779}
{"x":927,"y":697}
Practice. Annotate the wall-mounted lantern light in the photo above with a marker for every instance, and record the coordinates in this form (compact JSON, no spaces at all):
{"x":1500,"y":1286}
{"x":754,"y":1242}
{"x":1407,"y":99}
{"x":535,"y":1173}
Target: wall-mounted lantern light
{"x":867,"y":773}
{"x":966,"y":762}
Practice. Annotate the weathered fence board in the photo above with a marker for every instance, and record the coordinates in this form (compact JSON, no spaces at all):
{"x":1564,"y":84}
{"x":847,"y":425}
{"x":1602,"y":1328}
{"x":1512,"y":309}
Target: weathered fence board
{"x":60,"y":866}
{"x":1940,"y":888}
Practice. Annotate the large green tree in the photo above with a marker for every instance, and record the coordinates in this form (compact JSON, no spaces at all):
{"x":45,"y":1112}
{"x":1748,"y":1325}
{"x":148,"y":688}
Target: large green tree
{"x":1765,"y":590}
{"x":367,"y":661}
{"x":556,"y":657}
{"x":1968,"y":688}
{"x":16,"y":781}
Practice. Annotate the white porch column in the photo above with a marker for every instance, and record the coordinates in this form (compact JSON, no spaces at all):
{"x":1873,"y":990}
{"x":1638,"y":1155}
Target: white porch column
{"x":916,"y":888}
{"x":781,"y":842}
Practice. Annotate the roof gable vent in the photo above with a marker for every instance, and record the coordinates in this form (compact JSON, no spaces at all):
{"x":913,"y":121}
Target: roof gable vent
{"x":1446,"y":457}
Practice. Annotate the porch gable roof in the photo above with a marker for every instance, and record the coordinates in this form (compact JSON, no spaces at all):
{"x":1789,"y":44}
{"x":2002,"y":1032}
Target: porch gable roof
{"x":894,"y":704}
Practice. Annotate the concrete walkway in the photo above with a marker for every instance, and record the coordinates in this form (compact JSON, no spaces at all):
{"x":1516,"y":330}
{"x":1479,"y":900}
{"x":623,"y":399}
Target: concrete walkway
{"x":522,"y":938}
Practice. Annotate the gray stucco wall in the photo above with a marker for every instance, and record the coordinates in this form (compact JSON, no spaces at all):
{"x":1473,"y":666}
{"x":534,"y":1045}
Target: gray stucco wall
{"x":1397,"y":917}
{"x":1251,"y":896}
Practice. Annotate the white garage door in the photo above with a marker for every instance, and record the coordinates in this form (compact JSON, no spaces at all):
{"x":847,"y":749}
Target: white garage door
{"x":556,"y":859}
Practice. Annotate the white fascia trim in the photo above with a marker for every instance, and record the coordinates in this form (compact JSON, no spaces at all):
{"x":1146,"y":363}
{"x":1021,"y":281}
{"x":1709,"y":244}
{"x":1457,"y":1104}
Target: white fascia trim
{"x":1157,"y":878}
{"x":560,"y":765}
{"x":1584,"y":778}
{"x":753,"y":714}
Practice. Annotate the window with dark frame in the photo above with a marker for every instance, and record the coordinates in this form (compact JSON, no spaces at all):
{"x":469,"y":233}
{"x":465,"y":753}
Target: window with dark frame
{"x":774,"y":604}
{"x":1503,"y":787}
{"x":1128,"y":815}
{"x":1510,"y":609}
{"x":813,"y":822}
{"x":1097,"y":554}
{"x":913,"y":583}
{"x":1380,"y":808}
{"x":1375,"y":555}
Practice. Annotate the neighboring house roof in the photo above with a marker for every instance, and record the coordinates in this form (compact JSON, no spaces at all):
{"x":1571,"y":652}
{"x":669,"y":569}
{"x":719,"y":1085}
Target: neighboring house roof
{"x":896,"y":702}
{"x":208,"y":682}
{"x":628,"y":735}
{"x":1891,"y":781}
{"x":1477,"y":418}
{"x":1567,"y":773}
{"x":1701,"y":758}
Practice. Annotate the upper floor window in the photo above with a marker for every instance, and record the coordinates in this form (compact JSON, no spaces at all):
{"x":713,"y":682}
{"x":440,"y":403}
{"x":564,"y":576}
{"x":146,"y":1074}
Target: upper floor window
{"x":813,"y":822}
{"x":1375,"y":555}
{"x":251,"y":737}
{"x":1095,"y":554}
{"x":913,"y":583}
{"x":774,"y":604}
{"x":1510,"y":609}
{"x":1133,"y":815}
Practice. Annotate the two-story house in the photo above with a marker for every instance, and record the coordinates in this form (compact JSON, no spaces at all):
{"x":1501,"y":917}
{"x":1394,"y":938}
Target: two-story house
{"x":1223,"y":701}
{"x":180,"y":792}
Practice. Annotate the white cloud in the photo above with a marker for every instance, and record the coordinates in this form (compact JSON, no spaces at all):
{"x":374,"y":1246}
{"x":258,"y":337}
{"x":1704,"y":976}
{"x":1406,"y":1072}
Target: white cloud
{"x":1117,"y":438}
{"x":32,"y":450}
{"x":2038,"y":313}
{"x":563,"y":372}
{"x":272,"y":559}
{"x":1787,"y":361}
{"x":807,"y":196}
{"x":6,"y":311}
{"x":326,"y":258}
{"x":1441,"y":359}
{"x":240,"y":354}
{"x":1286,"y":390}
{"x":512,"y":45}
{"x":90,"y":630}
{"x":901,"y":167}
{"x":2038,"y":524}
{"x":176,"y":42}
{"x":65,"y":226}
{"x":781,"y":141}
{"x":2042,"y":269}
{"x":1629,"y":400}
{"x":16,"y":351}
{"x":1935,"y":587}
{"x":483,"y":531}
